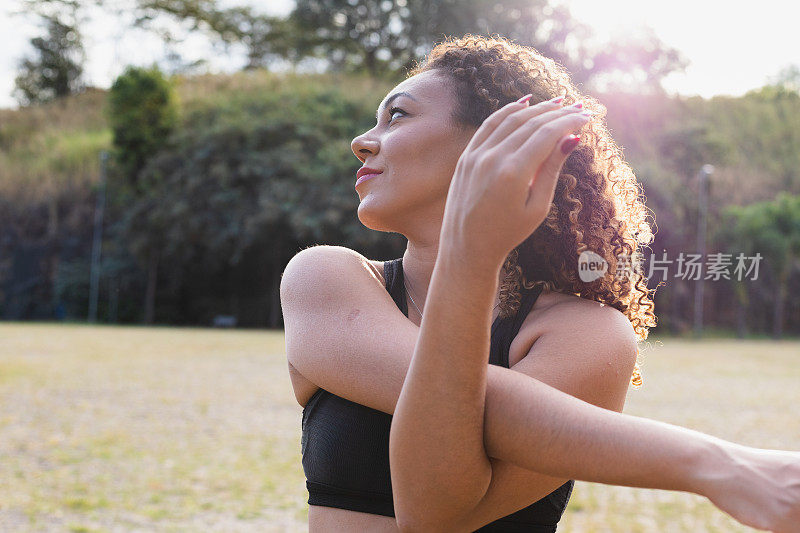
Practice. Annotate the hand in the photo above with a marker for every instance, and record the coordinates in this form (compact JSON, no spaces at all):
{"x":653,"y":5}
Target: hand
{"x":505,"y":179}
{"x":764,"y":492}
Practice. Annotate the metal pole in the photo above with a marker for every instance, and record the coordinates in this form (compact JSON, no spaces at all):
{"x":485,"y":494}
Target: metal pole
{"x":97,"y":240}
{"x":705,"y":172}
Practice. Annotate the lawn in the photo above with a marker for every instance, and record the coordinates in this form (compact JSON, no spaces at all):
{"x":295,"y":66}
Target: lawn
{"x":183,"y":429}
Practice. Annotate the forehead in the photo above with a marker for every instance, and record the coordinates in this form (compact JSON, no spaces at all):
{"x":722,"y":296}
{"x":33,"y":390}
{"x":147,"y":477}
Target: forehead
{"x":425,"y":88}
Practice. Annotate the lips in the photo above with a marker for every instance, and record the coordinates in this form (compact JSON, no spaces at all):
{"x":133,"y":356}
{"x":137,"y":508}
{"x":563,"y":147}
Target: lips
{"x":365,"y":173}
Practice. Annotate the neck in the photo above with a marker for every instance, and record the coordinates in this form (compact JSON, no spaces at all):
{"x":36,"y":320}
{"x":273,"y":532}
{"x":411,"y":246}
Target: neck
{"x":418,"y":263}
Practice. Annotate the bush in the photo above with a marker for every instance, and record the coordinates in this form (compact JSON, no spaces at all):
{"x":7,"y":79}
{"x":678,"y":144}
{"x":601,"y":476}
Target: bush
{"x":142,"y":112}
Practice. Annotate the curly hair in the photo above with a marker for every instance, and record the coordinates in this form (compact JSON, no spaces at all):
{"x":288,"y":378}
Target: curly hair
{"x":596,"y":206}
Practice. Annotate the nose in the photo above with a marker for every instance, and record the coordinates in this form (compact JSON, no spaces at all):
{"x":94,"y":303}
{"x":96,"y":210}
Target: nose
{"x":363,"y":146}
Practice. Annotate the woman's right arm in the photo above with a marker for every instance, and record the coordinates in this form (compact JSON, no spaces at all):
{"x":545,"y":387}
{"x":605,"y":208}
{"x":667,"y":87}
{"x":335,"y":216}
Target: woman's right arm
{"x":344,"y":331}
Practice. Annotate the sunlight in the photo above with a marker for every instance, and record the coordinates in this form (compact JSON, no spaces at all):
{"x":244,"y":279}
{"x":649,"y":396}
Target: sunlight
{"x":717,"y":42}
{"x":614,"y":18}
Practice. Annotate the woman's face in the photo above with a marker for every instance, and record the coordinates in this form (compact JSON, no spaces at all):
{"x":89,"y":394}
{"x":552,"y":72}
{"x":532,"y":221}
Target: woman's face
{"x":416,"y":147}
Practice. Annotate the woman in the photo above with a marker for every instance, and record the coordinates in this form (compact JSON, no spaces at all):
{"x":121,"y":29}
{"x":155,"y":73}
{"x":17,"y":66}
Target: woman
{"x":449,"y":165}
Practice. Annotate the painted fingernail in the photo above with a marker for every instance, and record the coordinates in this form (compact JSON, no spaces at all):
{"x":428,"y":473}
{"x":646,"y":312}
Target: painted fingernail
{"x":570,"y":144}
{"x":577,"y":105}
{"x":557,"y":100}
{"x":587,"y":113}
{"x":524,"y":98}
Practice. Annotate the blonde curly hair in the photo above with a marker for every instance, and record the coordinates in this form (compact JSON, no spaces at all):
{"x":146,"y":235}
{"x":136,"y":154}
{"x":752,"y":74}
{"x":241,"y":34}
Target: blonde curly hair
{"x":596,"y":205}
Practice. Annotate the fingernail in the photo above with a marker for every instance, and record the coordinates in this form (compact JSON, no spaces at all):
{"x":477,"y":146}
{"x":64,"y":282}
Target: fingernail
{"x":577,"y":105}
{"x":557,"y":100}
{"x":570,"y":144}
{"x":524,"y":98}
{"x":587,"y":113}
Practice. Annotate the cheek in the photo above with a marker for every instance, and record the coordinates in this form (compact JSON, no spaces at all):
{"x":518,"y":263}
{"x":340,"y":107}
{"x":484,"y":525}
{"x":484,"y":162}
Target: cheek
{"x":432,"y":150}
{"x":420,"y":163}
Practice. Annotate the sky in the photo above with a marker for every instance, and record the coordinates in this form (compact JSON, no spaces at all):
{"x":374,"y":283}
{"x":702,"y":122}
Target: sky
{"x":731,"y":47}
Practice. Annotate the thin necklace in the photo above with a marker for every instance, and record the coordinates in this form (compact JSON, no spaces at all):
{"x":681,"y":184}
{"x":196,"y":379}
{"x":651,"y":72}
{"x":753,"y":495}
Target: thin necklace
{"x":409,"y":295}
{"x":415,"y":303}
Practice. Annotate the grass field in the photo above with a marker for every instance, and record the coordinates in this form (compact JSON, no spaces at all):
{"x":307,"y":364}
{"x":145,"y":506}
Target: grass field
{"x":143,"y":429}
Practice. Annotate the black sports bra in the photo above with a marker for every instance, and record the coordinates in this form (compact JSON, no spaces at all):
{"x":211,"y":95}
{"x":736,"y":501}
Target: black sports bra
{"x":345,"y":445}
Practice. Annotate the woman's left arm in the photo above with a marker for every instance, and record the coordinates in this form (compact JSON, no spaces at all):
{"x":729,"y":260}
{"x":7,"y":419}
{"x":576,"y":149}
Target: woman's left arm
{"x":436,"y":439}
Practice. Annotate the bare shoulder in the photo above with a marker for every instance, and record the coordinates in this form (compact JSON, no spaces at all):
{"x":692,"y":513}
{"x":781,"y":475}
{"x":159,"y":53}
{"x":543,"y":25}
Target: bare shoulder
{"x":556,"y":308}
{"x":580,"y":346}
{"x":317,"y":265}
{"x":571,"y":318}
{"x":315,"y":284}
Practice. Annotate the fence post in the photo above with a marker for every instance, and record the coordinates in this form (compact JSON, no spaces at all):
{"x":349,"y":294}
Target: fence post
{"x":97,"y":240}
{"x":705,"y":172}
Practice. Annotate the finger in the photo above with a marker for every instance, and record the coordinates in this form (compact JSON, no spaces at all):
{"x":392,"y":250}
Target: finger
{"x":525,"y":162}
{"x":535,"y":152}
{"x":540,"y":112}
{"x":542,"y":190}
{"x":499,"y":117}
{"x":492,"y":121}
{"x":540,"y":143}
{"x":515,"y":140}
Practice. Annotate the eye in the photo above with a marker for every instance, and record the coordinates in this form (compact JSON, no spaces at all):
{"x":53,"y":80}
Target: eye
{"x":394,"y":110}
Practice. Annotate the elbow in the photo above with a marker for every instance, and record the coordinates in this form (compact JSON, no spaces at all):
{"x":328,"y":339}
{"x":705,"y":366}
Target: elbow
{"x":435,"y":511}
{"x":404,"y":525}
{"x":407,"y":522}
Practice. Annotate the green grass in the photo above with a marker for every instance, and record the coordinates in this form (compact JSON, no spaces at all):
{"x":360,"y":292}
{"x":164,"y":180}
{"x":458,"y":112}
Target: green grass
{"x":147,"y":428}
{"x":189,"y":429}
{"x":52,"y":148}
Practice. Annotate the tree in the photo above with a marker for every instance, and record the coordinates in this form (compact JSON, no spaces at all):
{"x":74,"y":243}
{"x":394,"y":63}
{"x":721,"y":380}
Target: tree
{"x":635,"y":64}
{"x":771,"y":229}
{"x":56,"y":68}
{"x":142,"y":112}
{"x":381,"y":37}
{"x":265,"y":37}
{"x":243,"y":185}
{"x":764,"y":124}
{"x":788,"y":79}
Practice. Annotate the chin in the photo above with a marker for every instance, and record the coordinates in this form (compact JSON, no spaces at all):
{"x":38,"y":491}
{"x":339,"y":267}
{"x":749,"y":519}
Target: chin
{"x":372,"y":216}
{"x":390,"y":211}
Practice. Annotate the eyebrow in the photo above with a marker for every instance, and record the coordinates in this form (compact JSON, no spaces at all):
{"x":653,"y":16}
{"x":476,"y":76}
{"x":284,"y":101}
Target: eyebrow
{"x":392,"y":99}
